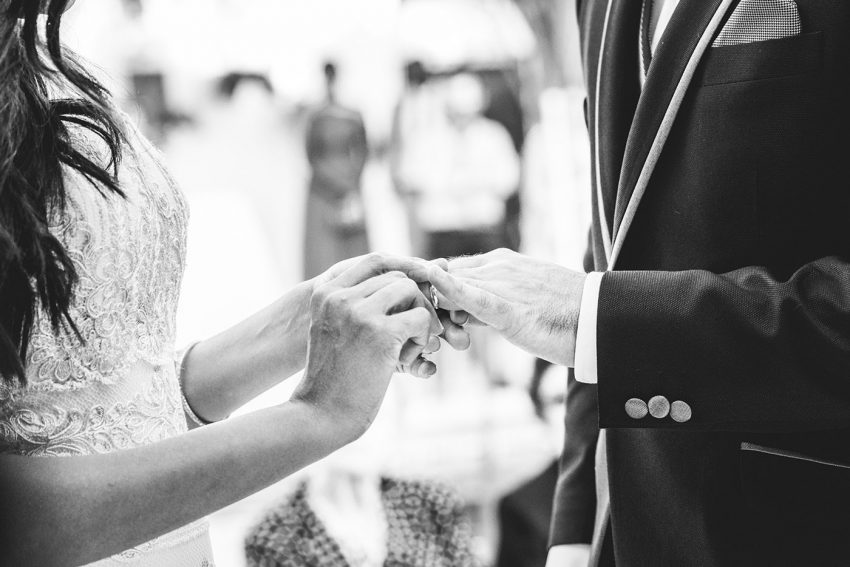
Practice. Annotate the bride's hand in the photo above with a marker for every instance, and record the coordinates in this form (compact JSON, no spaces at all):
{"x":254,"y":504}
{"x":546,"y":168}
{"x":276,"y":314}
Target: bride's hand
{"x":417,"y":270}
{"x":364,"y":322}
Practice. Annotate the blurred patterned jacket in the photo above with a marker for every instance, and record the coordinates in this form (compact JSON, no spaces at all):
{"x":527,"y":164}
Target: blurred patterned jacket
{"x":426,"y":527}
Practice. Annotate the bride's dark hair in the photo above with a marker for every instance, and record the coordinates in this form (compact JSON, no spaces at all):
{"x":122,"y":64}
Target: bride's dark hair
{"x":36,"y":272}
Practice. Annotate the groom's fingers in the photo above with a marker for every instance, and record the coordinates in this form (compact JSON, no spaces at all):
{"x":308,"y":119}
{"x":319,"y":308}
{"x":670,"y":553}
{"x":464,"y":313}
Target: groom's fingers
{"x":462,"y":262}
{"x":452,"y":293}
{"x":459,"y":317}
{"x":454,"y":334}
{"x":464,"y":319}
{"x":457,"y":337}
{"x":456,"y":294}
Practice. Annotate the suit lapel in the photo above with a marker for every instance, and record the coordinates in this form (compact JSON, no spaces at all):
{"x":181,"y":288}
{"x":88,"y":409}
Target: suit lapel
{"x":676,"y":58}
{"x":613,"y":87}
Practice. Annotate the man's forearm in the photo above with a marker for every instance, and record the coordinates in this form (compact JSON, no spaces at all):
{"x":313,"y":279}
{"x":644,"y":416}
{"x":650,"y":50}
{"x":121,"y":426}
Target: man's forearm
{"x":777,"y":349}
{"x":226,"y":371}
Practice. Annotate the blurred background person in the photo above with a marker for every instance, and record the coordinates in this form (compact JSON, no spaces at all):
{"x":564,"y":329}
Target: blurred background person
{"x":337,"y":150}
{"x":353,"y":511}
{"x":470,"y":172}
{"x":419,"y":113}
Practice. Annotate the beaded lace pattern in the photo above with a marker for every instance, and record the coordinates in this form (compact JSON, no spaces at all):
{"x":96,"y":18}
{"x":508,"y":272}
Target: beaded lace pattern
{"x":118,"y":388}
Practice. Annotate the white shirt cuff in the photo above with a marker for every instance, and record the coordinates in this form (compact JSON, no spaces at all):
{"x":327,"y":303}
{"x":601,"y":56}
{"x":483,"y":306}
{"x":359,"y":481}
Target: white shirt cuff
{"x":585,"y":360}
{"x":569,"y":555}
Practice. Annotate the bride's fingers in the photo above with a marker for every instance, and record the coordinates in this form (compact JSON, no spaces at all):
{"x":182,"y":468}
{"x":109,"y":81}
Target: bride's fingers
{"x":401,"y":295}
{"x":433,"y":345}
{"x":370,"y":286}
{"x":412,"y":329}
{"x":360,"y":271}
{"x":410,"y":351}
{"x":404,"y":294}
{"x":375,"y":264}
{"x":414,"y":268}
{"x":424,"y":301}
{"x":420,"y":368}
{"x":423,"y":368}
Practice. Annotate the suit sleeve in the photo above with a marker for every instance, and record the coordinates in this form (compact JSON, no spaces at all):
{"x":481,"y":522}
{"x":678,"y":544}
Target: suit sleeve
{"x":575,"y":492}
{"x":746,"y":351}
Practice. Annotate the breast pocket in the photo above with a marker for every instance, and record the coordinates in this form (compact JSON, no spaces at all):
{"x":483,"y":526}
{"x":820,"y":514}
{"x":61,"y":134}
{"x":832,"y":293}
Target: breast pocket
{"x":774,"y":58}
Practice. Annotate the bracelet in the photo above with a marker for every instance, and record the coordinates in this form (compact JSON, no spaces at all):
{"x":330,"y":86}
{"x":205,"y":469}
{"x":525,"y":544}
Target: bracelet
{"x":187,"y":409}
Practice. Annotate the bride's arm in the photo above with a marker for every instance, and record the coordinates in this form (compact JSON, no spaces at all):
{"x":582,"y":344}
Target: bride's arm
{"x":226,"y":371}
{"x":73,"y":510}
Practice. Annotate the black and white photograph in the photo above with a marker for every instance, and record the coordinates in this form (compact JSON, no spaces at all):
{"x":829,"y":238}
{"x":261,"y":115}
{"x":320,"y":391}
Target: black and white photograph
{"x":424,"y":283}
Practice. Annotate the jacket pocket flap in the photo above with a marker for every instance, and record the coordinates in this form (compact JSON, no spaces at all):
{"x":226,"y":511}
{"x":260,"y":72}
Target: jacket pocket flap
{"x":773,"y":58}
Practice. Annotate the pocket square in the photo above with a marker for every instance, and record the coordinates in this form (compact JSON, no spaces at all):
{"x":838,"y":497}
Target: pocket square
{"x":759,"y":20}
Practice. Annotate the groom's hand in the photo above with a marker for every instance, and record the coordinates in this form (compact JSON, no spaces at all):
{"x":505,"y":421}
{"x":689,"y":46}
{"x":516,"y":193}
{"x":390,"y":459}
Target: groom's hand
{"x":532,"y":303}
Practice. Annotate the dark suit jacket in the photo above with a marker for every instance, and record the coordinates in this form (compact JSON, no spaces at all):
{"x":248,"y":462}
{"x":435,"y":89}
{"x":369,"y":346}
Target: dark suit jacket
{"x":730,"y":291}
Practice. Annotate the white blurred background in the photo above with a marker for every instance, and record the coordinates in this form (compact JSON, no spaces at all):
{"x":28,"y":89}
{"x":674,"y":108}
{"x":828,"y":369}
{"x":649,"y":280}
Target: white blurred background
{"x":227,"y":89}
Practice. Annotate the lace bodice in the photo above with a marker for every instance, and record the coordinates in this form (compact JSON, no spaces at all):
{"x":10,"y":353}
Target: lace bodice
{"x":118,"y":388}
{"x":129,"y":255}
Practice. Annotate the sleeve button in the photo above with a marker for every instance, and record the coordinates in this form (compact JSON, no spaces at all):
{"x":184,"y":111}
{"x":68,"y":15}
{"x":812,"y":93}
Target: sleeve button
{"x":680,"y":411}
{"x":636,"y":408}
{"x":659,"y":407}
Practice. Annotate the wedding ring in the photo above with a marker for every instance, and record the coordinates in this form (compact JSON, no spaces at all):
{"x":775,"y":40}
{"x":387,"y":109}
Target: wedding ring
{"x":434,"y":301}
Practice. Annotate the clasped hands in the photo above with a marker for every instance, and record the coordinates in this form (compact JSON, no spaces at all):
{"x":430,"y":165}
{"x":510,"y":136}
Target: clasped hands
{"x":532,"y":303}
{"x":373,"y":315}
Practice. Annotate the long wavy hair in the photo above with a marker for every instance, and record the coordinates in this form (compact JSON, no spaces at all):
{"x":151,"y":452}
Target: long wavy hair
{"x":36,"y":272}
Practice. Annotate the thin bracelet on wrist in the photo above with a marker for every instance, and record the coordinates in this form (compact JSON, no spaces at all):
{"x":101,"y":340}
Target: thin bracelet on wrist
{"x":187,"y":409}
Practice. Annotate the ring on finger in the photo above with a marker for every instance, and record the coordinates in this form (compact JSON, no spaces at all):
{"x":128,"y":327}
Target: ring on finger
{"x":434,"y":300}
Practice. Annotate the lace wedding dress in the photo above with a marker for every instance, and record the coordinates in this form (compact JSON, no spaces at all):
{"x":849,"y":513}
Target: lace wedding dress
{"x":119,"y":388}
